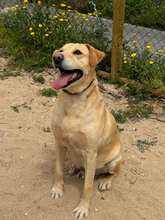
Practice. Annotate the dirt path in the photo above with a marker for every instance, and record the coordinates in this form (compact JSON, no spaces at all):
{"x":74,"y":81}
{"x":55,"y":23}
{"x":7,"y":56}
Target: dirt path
{"x":27,"y":162}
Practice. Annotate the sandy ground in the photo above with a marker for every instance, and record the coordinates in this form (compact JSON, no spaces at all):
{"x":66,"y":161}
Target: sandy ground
{"x":27,"y":161}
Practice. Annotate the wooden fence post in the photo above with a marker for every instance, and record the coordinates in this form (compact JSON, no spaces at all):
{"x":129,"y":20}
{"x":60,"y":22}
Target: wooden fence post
{"x":117,"y":37}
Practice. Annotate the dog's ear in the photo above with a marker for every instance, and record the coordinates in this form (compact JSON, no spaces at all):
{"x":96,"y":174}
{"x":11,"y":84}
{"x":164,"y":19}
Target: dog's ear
{"x":95,"y":56}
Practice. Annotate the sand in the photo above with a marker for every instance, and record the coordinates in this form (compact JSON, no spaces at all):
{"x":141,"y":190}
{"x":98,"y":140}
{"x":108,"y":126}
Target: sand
{"x":27,"y":160}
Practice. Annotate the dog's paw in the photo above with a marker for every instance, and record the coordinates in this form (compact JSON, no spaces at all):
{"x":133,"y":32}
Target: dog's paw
{"x":81,"y":211}
{"x":57,"y":192}
{"x":105,"y":184}
{"x":81,"y":174}
{"x":72,"y":169}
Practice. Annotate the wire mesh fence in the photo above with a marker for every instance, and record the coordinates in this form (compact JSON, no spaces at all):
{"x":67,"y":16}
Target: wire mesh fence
{"x":135,"y":36}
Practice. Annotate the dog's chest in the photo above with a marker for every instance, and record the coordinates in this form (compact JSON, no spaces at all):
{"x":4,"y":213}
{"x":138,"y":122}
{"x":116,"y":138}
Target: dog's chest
{"x":69,"y":131}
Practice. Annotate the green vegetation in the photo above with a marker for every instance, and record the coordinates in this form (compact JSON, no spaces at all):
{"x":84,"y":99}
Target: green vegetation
{"x":144,"y":145}
{"x":16,"y":107}
{"x":5,"y":74}
{"x":39,"y":79}
{"x":133,"y":112}
{"x":143,"y":66}
{"x":47,"y":129}
{"x":119,"y":116}
{"x":147,"y":13}
{"x":49,"y":92}
{"x":31,"y":38}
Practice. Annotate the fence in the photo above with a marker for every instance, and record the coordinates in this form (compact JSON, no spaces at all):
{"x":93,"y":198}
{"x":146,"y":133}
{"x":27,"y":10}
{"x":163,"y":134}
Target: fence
{"x":141,"y":35}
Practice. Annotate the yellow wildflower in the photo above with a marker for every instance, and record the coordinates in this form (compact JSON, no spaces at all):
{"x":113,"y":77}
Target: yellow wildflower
{"x":63,"y":5}
{"x":69,"y":6}
{"x":160,"y":50}
{"x":69,"y":26}
{"x":32,"y":33}
{"x":63,"y":13}
{"x":13,"y":7}
{"x":128,"y":45}
{"x":89,"y":13}
{"x":40,"y":25}
{"x":53,"y":5}
{"x":148,"y":47}
{"x":30,"y":29}
{"x":135,"y":41}
{"x":149,"y":34}
{"x":55,"y":16}
{"x":23,"y":6}
{"x":133,"y":54}
{"x":7,"y":8}
{"x":39,"y":2}
{"x":134,"y":34}
{"x":125,"y":61}
{"x":66,"y":19}
{"x":16,"y":6}
{"x":25,"y":1}
{"x":150,"y":43}
{"x":151,"y":62}
{"x":125,"y":54}
{"x":61,"y":19}
{"x":86,"y":19}
{"x":69,"y":10}
{"x":124,"y":58}
{"x":46,"y":35}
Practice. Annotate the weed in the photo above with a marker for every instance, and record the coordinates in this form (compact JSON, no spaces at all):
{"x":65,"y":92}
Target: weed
{"x":144,"y":67}
{"x":16,"y":107}
{"x":144,"y":145}
{"x":49,"y":92}
{"x":27,"y":36}
{"x":39,"y":79}
{"x":120,"y":129}
{"x":46,"y":129}
{"x":7,"y":74}
{"x":134,"y":111}
{"x":119,"y":117}
{"x":138,"y":111}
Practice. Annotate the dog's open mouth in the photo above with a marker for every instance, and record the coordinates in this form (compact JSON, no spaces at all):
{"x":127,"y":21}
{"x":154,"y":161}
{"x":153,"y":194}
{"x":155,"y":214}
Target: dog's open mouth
{"x":66,"y":78}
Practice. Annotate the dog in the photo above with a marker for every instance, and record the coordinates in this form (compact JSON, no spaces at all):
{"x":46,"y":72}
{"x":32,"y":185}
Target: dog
{"x":82,"y":124}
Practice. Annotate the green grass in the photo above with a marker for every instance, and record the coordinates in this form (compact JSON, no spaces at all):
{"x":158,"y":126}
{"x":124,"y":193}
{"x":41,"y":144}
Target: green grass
{"x":145,"y":145}
{"x":119,"y":116}
{"x":6,"y":74}
{"x":16,"y":107}
{"x":39,"y":79}
{"x":49,"y":92}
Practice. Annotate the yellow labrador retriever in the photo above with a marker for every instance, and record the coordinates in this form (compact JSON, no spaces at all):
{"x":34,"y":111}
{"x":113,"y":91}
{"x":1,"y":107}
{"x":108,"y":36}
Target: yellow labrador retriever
{"x":82,"y":125}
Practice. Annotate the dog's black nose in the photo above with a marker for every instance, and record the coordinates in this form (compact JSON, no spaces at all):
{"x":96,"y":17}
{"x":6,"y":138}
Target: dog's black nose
{"x":58,"y":58}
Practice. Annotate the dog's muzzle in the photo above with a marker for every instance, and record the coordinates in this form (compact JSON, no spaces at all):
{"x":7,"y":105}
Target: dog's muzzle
{"x":57,"y":59}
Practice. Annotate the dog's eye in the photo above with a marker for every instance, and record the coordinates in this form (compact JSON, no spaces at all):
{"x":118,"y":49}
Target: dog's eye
{"x":77,"y":52}
{"x":61,"y":51}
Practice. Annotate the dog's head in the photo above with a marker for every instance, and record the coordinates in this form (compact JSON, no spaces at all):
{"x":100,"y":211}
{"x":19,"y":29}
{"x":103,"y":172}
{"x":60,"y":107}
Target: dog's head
{"x":76,"y":63}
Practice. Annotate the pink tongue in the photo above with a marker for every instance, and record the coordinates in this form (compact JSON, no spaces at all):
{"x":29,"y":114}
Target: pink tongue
{"x":61,"y":81}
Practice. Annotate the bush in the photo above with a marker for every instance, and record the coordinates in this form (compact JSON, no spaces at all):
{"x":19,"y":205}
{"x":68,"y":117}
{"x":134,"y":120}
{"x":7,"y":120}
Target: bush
{"x":35,"y":33}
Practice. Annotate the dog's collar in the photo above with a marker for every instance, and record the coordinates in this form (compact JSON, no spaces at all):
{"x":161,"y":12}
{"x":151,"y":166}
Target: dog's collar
{"x":76,"y":93}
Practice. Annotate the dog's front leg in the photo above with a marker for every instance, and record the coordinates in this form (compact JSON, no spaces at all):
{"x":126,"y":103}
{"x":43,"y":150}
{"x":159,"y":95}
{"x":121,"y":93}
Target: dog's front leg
{"x":58,"y":188}
{"x":82,"y":210}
